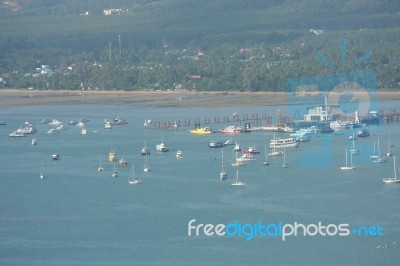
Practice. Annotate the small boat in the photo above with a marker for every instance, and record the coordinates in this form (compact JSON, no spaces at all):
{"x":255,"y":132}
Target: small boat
{"x":132,"y":179}
{"x":353,"y":149}
{"x":146,"y":167}
{"x":392,"y":180}
{"x":107,"y":125}
{"x":229,"y":142}
{"x":379,"y":158}
{"x":347,"y":166}
{"x":80,"y":124}
{"x":61,"y":127}
{"x":162,"y":147}
{"x":55,"y":122}
{"x":237,"y":161}
{"x":237,"y":147}
{"x":179,"y":154}
{"x":363,"y":133}
{"x":114,"y":173}
{"x":145,"y":151}
{"x":56,"y":156}
{"x":72,"y":123}
{"x":118,"y":121}
{"x":112,"y":157}
{"x":201,"y":131}
{"x":2,"y":123}
{"x":215,"y":144}
{"x":34,"y":142}
{"x":100,"y":168}
{"x":252,"y":150}
{"x":15,"y":134}
{"x":223,"y":175}
{"x":41,"y":170}
{"x":237,"y":182}
{"x":84,"y":131}
{"x":123,"y":163}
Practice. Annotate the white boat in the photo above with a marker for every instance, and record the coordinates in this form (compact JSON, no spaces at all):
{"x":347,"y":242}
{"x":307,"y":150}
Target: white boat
{"x":80,"y":124}
{"x":374,"y":155}
{"x":34,"y":142}
{"x":347,"y":166}
{"x":237,"y":147}
{"x":237,"y":162}
{"x":115,"y":173}
{"x":132,"y":179}
{"x":389,"y":152}
{"x":107,"y":125}
{"x":55,"y":122}
{"x":41,"y":170}
{"x":392,"y":180}
{"x":14,"y":134}
{"x":229,"y":142}
{"x":179,"y":154}
{"x":353,"y":149}
{"x":100,"y":168}
{"x":266,"y":155}
{"x":284,"y":164}
{"x":283,"y":143}
{"x":29,"y":129}
{"x":237,"y":182}
{"x":146,"y":167}
{"x":84,"y":131}
{"x":56,"y":156}
{"x":53,"y":131}
{"x":246,"y":157}
{"x":161,"y":147}
{"x":112,"y":156}
{"x":337,"y":125}
{"x":123,"y":163}
{"x":230,"y":130}
{"x":223,"y":175}
{"x":379,"y":159}
{"x":61,"y":127}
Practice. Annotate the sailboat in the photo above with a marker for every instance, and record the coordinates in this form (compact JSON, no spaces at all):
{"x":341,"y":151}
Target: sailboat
{"x":222,"y":174}
{"x":380,"y":159}
{"x":100,"y":168}
{"x":348,"y":167}
{"x":285,"y":164}
{"x":392,"y":180}
{"x":237,"y":162}
{"x":237,"y":182}
{"x":353,"y":150}
{"x":374,"y":155}
{"x":389,"y":152}
{"x":146,"y":167}
{"x":132,"y":179}
{"x":266,"y":155}
{"x":41,"y":170}
{"x":115,"y":173}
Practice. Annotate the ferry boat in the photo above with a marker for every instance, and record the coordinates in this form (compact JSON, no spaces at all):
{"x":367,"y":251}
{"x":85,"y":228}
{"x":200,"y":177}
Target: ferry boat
{"x":283,"y":143}
{"x":201,"y":131}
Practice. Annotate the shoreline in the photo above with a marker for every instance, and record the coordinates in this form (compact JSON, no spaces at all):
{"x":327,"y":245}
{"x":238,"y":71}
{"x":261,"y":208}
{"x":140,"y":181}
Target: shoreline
{"x":181,"y":98}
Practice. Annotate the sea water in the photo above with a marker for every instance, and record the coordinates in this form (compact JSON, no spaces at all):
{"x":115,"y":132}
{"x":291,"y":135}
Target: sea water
{"x":79,"y":216}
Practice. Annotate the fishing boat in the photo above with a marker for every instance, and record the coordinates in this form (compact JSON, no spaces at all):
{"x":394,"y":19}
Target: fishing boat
{"x":392,"y":180}
{"x":132,"y":179}
{"x":201,"y":131}
{"x":100,"y":168}
{"x":347,"y":166}
{"x":237,"y":182}
{"x":223,"y":175}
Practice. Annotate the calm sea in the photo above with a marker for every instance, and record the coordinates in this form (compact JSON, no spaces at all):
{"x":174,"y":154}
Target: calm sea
{"x":78,"y":216}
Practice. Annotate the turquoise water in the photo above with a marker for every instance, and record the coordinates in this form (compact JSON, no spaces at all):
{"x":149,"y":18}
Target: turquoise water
{"x":78,"y":216}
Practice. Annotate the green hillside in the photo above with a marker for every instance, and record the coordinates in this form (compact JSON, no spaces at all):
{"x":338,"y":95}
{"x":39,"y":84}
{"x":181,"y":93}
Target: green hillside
{"x":160,"y":33}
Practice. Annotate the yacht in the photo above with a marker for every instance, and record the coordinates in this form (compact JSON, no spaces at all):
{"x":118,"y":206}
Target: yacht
{"x":107,"y":125}
{"x":112,"y":156}
{"x":230,"y":130}
{"x":347,"y":166}
{"x":56,"y":156}
{"x":34,"y":142}
{"x":201,"y":131}
{"x":84,"y":131}
{"x":55,"y":122}
{"x":123,"y":163}
{"x":237,"y":182}
{"x":179,"y":154}
{"x":392,"y":180}
{"x":162,"y":147}
{"x":16,"y":134}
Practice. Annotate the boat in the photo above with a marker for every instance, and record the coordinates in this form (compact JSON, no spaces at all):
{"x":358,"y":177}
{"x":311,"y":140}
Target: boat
{"x":132,"y":179}
{"x":237,"y":147}
{"x":230,"y":130}
{"x":162,"y":147}
{"x":389,"y":152}
{"x":123,"y":163}
{"x":229,"y":142}
{"x":80,"y":124}
{"x":41,"y":170}
{"x":347,"y":166}
{"x":284,"y":164}
{"x":72,"y":123}
{"x":100,"y":168}
{"x":34,"y":142}
{"x":118,"y":121}
{"x":145,"y":151}
{"x":274,"y":152}
{"x":84,"y":131}
{"x":266,"y":162}
{"x":107,"y":125}
{"x":337,"y":125}
{"x":15,"y":134}
{"x":392,"y":180}
{"x":215,"y":144}
{"x":252,"y":150}
{"x":56,"y":156}
{"x":179,"y":154}
{"x":353,"y":149}
{"x":29,"y":129}
{"x":374,"y":155}
{"x":61,"y":127}
{"x":237,"y":161}
{"x":283,"y":143}
{"x":3,"y":123}
{"x":379,"y":158}
{"x":53,"y":131}
{"x":146,"y":167}
{"x":223,"y":175}
{"x":246,"y":157}
{"x":114,"y":173}
{"x":112,"y":157}
{"x":363,"y":133}
{"x":55,"y":122}
{"x":201,"y":131}
{"x":237,"y":182}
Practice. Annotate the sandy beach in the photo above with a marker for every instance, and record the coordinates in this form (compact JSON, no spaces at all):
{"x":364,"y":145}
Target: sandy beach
{"x":22,"y":97}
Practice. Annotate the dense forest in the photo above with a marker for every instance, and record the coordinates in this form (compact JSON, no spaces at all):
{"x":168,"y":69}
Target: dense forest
{"x":220,"y":45}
